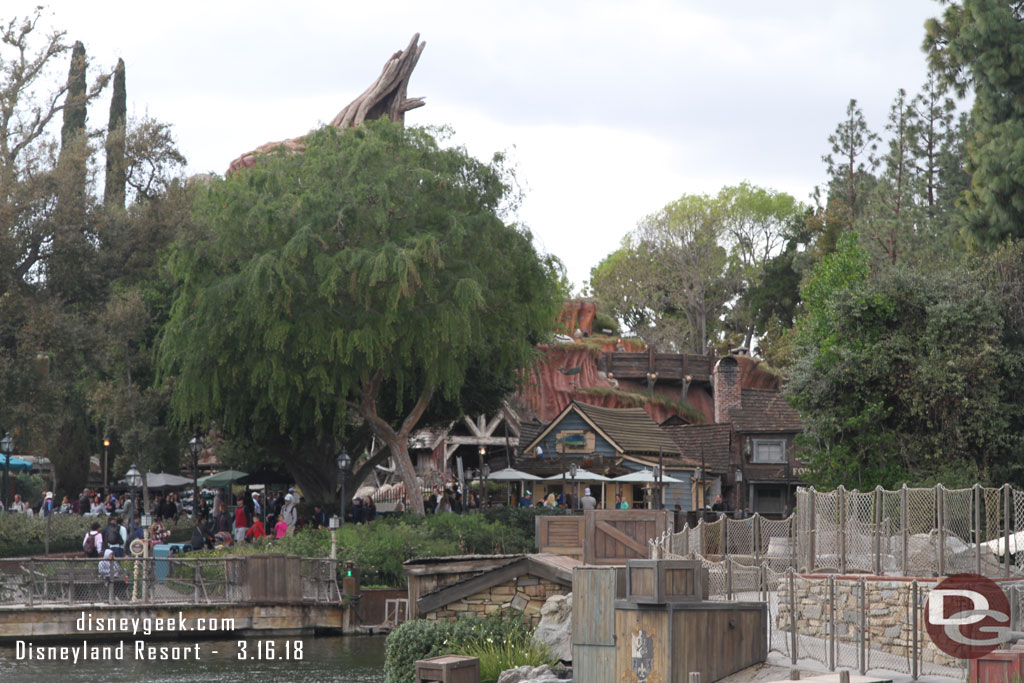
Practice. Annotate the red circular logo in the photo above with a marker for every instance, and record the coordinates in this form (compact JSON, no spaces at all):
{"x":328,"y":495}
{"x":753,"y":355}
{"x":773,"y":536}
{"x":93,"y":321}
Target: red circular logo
{"x":967,"y":616}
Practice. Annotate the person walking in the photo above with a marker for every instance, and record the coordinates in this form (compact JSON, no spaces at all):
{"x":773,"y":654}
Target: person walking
{"x":243,"y":519}
{"x":588,"y":502}
{"x":289,"y":513}
{"x":92,"y":544}
{"x":112,"y":539}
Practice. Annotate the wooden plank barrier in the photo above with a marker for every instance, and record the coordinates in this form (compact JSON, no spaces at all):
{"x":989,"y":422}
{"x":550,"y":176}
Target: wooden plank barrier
{"x":560,"y":535}
{"x":593,"y":623}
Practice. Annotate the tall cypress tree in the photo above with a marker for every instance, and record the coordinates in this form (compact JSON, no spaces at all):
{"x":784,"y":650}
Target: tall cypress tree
{"x":74,"y":104}
{"x":113,"y":194}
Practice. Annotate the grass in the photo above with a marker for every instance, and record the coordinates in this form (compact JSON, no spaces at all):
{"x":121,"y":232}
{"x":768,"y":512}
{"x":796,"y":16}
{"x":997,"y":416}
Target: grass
{"x":631,"y":399}
{"x":504,"y":654}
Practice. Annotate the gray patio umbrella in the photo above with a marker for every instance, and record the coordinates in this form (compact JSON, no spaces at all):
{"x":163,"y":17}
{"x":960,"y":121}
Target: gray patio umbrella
{"x":647,"y":477}
{"x":511,"y":474}
{"x":585,"y":475}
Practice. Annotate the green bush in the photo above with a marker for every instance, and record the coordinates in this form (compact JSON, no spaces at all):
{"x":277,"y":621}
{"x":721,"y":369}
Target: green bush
{"x":380,"y":547}
{"x":419,"y":639}
{"x":497,"y":655}
{"x":21,"y":535}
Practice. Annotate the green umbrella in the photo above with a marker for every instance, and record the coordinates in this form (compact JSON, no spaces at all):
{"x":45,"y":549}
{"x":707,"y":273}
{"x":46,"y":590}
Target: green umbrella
{"x":221,"y":479}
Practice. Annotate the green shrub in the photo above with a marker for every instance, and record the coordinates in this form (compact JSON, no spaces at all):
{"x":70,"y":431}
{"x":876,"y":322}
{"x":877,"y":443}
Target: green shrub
{"x":21,"y":535}
{"x":419,"y":639}
{"x":497,"y":655}
{"x":380,"y":547}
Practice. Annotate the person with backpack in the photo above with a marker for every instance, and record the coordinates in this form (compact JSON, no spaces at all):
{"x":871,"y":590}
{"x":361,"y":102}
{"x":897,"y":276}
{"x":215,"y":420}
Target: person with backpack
{"x":112,"y":537}
{"x":92,"y":544}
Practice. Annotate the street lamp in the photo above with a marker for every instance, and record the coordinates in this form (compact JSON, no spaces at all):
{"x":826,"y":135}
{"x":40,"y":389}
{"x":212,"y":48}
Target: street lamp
{"x":575,"y":490}
{"x":134,"y":479}
{"x":7,"y":448}
{"x":194,"y":446}
{"x":344,"y":462}
{"x":146,"y":520}
{"x":333,"y":523}
{"x":481,"y":451}
{"x":106,"y":453}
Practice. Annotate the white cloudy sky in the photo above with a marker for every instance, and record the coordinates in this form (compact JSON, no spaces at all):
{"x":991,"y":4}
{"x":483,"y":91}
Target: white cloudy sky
{"x":610,"y":109}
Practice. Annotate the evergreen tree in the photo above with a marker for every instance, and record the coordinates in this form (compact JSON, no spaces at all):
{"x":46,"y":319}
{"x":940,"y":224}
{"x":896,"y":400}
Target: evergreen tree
{"x":976,"y":45}
{"x":113,"y":194}
{"x":852,"y":162}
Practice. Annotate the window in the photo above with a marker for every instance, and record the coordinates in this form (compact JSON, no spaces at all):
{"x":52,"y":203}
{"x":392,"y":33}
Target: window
{"x":770,"y":451}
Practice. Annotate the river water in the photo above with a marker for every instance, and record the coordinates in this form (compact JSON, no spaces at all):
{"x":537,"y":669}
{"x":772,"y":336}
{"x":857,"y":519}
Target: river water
{"x":339,"y":659}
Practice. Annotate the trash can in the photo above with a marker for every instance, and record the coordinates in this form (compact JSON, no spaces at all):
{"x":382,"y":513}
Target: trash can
{"x":161,"y":553}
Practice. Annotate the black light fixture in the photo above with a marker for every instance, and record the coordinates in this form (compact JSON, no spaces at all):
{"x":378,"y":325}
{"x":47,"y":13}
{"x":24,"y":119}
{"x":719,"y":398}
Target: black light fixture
{"x":7,"y":449}
{"x":344,"y":462}
{"x":195,"y":445}
{"x":106,"y":454}
{"x":134,"y":479}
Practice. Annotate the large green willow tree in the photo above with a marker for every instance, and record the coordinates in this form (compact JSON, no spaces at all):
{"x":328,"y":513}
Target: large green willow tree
{"x":370,"y":276}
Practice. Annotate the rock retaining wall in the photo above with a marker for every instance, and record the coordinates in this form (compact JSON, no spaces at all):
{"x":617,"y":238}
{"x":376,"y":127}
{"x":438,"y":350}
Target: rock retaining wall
{"x":886,"y":615}
{"x":526,"y":593}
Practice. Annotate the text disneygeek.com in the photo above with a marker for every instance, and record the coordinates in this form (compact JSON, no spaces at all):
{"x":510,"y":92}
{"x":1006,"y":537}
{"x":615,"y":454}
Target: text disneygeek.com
{"x":114,"y":650}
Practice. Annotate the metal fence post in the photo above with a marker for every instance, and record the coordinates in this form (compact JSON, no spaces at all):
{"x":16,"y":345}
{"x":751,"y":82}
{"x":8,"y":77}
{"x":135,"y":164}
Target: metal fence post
{"x":32,"y":583}
{"x":978,"y":536}
{"x":878,"y":530}
{"x":792,"y":617}
{"x":724,"y":536}
{"x":811,"y":531}
{"x":728,"y":577}
{"x":940,"y":504}
{"x":904,"y":529}
{"x":863,"y":626}
{"x":831,"y":583}
{"x":841,"y":498}
{"x":1006,"y":530}
{"x":913,"y":629}
{"x":756,"y":533}
{"x":196,"y":581}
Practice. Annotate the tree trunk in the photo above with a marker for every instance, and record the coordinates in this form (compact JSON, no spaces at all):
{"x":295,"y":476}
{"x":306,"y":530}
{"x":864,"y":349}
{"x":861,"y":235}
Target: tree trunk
{"x":397,"y":441}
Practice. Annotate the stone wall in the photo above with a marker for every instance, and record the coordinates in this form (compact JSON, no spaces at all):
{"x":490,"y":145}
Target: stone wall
{"x":887,"y":617}
{"x":525,"y":593}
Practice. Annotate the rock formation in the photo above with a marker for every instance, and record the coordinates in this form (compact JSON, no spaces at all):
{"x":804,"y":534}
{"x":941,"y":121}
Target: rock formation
{"x":385,"y":97}
{"x":555,"y":627}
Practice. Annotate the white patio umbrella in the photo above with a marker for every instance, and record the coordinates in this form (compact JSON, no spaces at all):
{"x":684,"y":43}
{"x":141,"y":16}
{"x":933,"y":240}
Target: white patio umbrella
{"x":647,"y":477}
{"x":512,"y":474}
{"x":584,"y":475}
{"x":581,"y":475}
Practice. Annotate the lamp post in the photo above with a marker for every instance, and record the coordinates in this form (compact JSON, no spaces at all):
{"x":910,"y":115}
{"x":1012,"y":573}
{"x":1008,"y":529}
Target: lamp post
{"x":194,"y":446}
{"x":147,"y":522}
{"x":106,"y":454}
{"x":575,"y":490}
{"x":134,"y":479}
{"x":7,"y":447}
{"x":334,"y":524}
{"x":482,"y":451}
{"x":344,"y":462}
{"x":487,"y":473}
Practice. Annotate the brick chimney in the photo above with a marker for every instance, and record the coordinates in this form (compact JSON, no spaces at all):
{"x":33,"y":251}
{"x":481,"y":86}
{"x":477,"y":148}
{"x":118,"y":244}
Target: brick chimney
{"x":728,"y":393}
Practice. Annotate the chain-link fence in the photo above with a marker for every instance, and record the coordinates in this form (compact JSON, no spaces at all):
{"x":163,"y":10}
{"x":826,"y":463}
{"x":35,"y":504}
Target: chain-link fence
{"x":173,"y":580}
{"x":906,"y":532}
{"x":910,"y":532}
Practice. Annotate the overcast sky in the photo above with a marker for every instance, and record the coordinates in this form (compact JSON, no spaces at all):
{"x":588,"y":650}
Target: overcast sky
{"x":610,"y":109}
